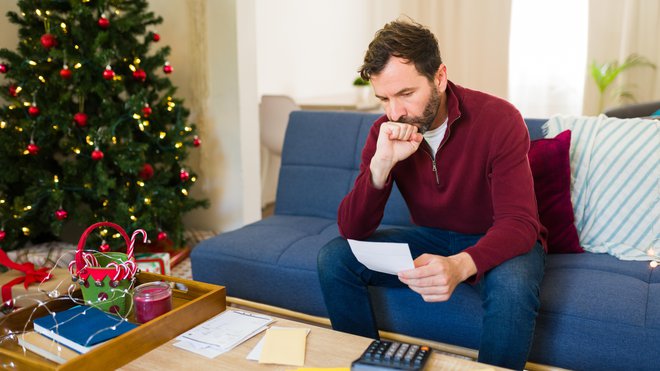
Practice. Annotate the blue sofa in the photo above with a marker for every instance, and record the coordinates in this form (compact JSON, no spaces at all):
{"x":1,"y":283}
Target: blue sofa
{"x":597,"y":312}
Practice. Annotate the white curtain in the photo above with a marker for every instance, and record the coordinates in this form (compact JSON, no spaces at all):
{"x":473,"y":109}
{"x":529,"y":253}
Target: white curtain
{"x":473,"y":37}
{"x":548,"y":56}
{"x":617,"y":29}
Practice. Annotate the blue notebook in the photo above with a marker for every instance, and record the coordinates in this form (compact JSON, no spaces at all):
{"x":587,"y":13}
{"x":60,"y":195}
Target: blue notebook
{"x":81,"y":328}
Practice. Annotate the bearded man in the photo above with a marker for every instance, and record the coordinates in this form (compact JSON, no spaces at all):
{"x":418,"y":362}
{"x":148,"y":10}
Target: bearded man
{"x":459,"y":159}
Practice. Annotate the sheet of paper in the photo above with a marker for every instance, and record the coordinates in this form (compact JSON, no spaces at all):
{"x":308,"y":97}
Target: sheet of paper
{"x":206,"y":350}
{"x":386,"y":257}
{"x":284,"y":346}
{"x":255,"y":353}
{"x":222,"y":332}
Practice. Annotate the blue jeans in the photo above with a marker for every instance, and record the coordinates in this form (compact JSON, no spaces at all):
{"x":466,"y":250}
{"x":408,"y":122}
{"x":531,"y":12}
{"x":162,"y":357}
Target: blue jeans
{"x":509,"y":292}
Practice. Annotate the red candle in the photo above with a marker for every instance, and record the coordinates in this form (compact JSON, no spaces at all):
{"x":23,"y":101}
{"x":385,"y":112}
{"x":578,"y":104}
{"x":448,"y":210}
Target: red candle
{"x":152,"y":299}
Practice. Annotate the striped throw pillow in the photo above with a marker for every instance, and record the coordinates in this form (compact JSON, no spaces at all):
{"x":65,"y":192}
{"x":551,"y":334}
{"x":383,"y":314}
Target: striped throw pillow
{"x":615,"y":183}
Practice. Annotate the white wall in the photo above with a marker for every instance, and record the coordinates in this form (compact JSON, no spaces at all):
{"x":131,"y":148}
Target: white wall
{"x":310,"y":48}
{"x":8,"y":33}
{"x":213,"y":57}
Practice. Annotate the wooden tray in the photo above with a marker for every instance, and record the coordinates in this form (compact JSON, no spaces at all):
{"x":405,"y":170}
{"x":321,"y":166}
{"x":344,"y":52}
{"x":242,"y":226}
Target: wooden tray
{"x":193,"y":303}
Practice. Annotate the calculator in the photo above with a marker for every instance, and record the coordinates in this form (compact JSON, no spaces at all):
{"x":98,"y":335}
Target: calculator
{"x":392,"y":355}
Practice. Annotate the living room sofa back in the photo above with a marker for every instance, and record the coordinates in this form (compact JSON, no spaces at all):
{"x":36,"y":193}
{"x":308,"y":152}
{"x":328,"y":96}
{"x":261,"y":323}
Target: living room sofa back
{"x":597,"y":312}
{"x":326,"y":164}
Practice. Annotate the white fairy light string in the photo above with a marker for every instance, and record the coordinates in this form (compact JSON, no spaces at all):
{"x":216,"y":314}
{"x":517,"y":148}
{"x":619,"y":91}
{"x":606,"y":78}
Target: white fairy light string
{"x":126,"y":270}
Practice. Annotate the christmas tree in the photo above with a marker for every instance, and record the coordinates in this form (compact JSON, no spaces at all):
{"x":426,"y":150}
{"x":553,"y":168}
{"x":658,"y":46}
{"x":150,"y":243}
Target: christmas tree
{"x":90,"y":129}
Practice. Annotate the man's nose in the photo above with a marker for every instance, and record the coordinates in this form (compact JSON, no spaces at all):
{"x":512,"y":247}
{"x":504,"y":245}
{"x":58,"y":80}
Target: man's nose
{"x":395,"y":110}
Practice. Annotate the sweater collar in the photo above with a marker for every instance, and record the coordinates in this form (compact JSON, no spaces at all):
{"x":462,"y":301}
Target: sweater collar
{"x":453,"y":102}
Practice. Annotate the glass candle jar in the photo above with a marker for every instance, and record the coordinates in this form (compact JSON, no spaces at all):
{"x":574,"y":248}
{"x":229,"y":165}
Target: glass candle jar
{"x":152,"y":299}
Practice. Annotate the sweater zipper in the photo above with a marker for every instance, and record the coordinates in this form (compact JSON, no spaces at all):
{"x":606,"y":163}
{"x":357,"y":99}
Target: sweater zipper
{"x":435,"y":171}
{"x":435,"y":168}
{"x":430,"y":153}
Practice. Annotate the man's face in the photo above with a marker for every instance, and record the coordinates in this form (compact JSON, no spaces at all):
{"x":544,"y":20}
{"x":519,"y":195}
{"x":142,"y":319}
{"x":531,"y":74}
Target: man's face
{"x":407,"y":96}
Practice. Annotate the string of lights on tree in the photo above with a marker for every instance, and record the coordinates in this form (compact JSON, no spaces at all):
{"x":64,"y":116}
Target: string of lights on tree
{"x":91,"y":129}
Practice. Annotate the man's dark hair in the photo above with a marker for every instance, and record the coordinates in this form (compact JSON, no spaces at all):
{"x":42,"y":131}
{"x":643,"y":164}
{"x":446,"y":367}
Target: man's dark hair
{"x":403,"y":39}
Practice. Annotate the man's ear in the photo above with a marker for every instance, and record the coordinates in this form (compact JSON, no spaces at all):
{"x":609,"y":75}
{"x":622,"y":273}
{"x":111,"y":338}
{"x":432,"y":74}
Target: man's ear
{"x":440,"y":78}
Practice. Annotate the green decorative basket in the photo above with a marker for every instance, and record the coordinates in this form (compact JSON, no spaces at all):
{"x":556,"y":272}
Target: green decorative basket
{"x":105,"y":278}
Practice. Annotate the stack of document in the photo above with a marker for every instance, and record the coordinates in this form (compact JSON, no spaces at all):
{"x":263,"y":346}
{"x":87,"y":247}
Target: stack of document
{"x":222,"y":333}
{"x":281,"y":345}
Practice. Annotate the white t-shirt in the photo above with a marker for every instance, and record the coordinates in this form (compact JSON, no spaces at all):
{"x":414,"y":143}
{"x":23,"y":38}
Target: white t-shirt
{"x":434,"y":137}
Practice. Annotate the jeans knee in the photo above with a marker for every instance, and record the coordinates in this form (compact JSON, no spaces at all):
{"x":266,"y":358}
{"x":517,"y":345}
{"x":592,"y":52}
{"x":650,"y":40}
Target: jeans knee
{"x":515,"y":296}
{"x":331,"y":254}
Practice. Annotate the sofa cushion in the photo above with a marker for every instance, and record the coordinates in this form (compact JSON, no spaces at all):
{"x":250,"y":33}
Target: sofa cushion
{"x":615,"y":182}
{"x":551,"y":169}
{"x":329,"y":165}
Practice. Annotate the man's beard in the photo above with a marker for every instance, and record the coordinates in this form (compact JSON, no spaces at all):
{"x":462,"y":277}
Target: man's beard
{"x":425,"y":121}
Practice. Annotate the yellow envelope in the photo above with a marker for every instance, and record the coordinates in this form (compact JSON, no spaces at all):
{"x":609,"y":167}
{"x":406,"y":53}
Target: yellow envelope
{"x":284,"y":346}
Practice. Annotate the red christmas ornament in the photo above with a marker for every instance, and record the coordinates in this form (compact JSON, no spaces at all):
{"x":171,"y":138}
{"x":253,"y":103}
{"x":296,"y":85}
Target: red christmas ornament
{"x":104,"y":247}
{"x":155,"y":37}
{"x":162,"y":236}
{"x":147,"y":172}
{"x":32,"y":148}
{"x":34,"y":110}
{"x":12,"y":90}
{"x":2,"y":235}
{"x":48,"y":41}
{"x":108,"y":73}
{"x":104,"y":22}
{"x":196,"y":141}
{"x":4,"y":68}
{"x":167,"y":68}
{"x":97,"y":155}
{"x":80,"y":119}
{"x":65,"y":72}
{"x":61,"y":214}
{"x":140,"y":75}
{"x":184,"y":175}
{"x":146,"y":110}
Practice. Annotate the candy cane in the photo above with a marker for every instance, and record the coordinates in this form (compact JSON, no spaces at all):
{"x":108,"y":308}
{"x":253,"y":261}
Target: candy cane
{"x":90,"y":259}
{"x":118,"y":268}
{"x":132,"y":245}
{"x":71,"y":264}
{"x":131,"y":267}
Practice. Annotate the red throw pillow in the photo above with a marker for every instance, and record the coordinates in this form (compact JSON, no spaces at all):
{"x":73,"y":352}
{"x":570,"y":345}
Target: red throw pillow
{"x":551,"y":169}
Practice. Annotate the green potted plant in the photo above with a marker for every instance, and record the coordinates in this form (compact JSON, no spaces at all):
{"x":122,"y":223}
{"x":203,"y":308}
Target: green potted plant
{"x":605,"y":74}
{"x":362,"y":90}
{"x":359,"y":81}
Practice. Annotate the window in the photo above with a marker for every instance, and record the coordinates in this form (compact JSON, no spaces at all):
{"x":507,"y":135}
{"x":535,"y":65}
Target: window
{"x":547,"y":56}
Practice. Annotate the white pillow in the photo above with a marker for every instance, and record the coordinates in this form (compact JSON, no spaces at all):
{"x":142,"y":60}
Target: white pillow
{"x":615,"y":183}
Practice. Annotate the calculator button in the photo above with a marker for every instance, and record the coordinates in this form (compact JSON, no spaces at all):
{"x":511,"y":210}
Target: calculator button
{"x":392,"y":355}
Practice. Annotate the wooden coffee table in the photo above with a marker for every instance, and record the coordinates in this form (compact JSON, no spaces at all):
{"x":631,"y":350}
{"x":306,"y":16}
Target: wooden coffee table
{"x":325,"y":348}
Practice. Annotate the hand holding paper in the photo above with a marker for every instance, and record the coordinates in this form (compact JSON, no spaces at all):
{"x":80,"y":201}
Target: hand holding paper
{"x":386,"y":257}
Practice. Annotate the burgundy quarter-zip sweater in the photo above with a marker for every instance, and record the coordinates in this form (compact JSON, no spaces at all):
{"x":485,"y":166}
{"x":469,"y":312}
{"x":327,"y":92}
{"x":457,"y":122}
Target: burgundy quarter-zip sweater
{"x":482,"y":183}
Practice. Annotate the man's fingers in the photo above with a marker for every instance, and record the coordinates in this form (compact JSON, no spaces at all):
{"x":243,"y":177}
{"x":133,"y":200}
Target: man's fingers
{"x":423,"y":260}
{"x":426,"y":281}
{"x":399,"y":131}
{"x":435,"y":298}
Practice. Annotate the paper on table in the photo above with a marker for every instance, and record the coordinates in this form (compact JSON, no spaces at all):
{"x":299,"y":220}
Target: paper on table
{"x":222,"y":332}
{"x":284,"y":346}
{"x":255,"y":353}
{"x":386,"y":257}
{"x":203,"y":349}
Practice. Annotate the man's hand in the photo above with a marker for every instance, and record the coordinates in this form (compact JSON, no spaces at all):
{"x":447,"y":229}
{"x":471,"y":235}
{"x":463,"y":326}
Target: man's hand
{"x":435,"y":277}
{"x":396,"y":142}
